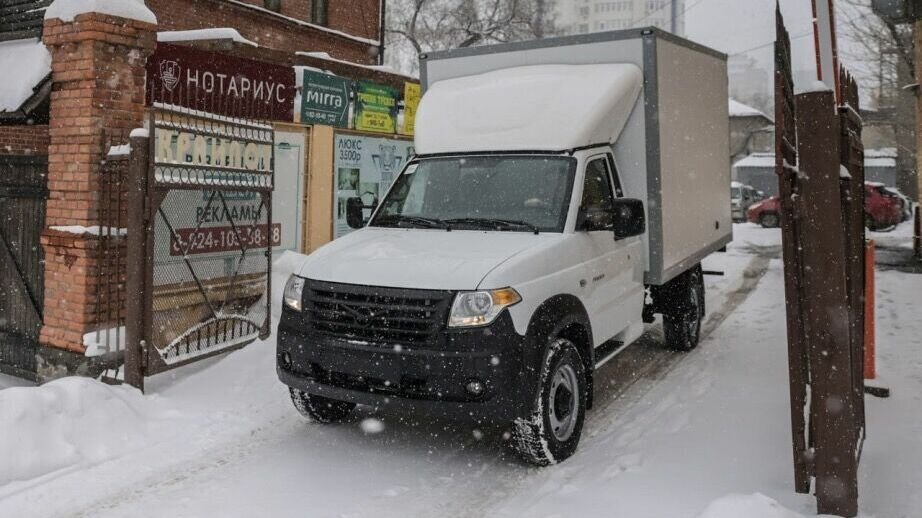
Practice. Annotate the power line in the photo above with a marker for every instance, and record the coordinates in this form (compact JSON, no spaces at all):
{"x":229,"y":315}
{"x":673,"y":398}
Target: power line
{"x":762,"y":46}
{"x":660,"y":8}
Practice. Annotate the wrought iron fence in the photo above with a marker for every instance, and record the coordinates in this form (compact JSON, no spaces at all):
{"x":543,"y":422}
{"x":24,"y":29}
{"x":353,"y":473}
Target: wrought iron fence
{"x":205,"y":236}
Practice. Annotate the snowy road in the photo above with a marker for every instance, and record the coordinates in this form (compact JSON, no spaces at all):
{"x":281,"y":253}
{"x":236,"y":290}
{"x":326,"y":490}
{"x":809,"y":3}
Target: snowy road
{"x":669,"y":434}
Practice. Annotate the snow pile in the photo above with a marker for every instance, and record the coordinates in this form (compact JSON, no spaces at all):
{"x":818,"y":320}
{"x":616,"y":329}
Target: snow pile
{"x":94,"y":230}
{"x":748,"y":506}
{"x":215,"y":33}
{"x":26,"y":63}
{"x":67,"y":10}
{"x":71,"y":422}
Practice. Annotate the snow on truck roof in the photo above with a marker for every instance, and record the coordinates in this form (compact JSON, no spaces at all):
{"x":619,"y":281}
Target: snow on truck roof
{"x":528,"y":108}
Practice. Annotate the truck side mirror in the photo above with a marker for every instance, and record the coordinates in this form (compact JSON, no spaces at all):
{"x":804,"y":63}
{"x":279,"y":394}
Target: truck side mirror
{"x":629,"y":218}
{"x":354,"y":217}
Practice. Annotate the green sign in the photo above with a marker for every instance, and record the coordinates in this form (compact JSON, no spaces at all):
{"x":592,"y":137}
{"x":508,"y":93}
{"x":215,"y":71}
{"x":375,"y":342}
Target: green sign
{"x":375,"y":108}
{"x":325,"y":100}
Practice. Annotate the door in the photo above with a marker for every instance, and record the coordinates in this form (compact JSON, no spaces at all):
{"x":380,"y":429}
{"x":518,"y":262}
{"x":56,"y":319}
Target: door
{"x":288,"y":196}
{"x":614,"y":288}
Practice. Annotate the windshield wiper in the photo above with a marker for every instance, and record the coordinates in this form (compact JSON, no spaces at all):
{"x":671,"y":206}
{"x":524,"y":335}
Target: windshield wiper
{"x":399,"y":219}
{"x":497,"y":223}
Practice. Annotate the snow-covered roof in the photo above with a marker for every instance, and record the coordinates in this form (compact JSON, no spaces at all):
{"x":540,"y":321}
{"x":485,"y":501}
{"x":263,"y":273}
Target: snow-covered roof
{"x":886,"y":152}
{"x":67,"y":10}
{"x":541,"y":108}
{"x":325,"y":56}
{"x":25,"y":64}
{"x":215,"y":33}
{"x":738,"y":109}
{"x":879,"y":162}
{"x":757,"y":160}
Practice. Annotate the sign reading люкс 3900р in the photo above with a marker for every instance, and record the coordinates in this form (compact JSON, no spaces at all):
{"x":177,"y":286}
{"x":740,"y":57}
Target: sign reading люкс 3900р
{"x":325,"y":100}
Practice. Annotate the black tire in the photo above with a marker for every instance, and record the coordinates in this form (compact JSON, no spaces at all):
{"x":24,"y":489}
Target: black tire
{"x":320,"y":409}
{"x":869,"y":222}
{"x":552,"y":433}
{"x":769,"y":220}
{"x":682,"y":322}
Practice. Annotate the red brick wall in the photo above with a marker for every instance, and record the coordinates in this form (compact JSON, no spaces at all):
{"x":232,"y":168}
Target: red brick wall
{"x":24,"y":140}
{"x":269,"y":30}
{"x":98,"y":74}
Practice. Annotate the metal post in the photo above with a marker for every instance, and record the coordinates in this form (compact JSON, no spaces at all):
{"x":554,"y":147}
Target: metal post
{"x":826,"y":315}
{"x":136,"y":282}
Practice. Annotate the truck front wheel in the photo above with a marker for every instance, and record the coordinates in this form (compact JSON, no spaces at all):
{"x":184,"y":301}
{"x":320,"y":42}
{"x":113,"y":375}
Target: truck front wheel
{"x":682,"y":322}
{"x":552,"y":433}
{"x":320,"y":409}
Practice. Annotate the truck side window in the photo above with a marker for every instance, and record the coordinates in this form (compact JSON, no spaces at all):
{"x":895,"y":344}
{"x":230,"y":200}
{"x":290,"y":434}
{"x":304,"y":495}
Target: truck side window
{"x":598,"y":198}
{"x":614,"y":176}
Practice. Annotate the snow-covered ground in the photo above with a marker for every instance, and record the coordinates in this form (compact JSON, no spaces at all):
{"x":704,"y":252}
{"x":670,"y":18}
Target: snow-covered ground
{"x":704,"y":434}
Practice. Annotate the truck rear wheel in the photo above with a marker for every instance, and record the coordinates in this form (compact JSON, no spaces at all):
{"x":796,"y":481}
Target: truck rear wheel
{"x":320,"y":409}
{"x":553,"y":432}
{"x":682,"y":323}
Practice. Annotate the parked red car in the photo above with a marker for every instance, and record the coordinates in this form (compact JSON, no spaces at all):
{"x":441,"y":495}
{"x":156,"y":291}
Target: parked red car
{"x":882,"y":209}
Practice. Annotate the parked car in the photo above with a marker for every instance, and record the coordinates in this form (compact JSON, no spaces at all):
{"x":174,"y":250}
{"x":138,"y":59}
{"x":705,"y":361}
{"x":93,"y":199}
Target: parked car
{"x":741,"y":198}
{"x":543,"y":222}
{"x":883,"y":209}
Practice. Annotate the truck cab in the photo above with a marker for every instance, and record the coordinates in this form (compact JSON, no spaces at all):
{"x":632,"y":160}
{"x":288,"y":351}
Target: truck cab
{"x":510,"y":258}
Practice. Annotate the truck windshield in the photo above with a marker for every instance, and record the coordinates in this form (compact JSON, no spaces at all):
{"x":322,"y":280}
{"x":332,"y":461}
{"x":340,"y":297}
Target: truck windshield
{"x":503,"y":193}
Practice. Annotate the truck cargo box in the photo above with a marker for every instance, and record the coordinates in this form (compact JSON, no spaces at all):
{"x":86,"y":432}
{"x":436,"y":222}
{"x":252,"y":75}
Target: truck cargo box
{"x":673,"y":151}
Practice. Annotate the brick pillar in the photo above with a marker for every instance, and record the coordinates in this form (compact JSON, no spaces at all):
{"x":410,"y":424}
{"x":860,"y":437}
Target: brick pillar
{"x":98,"y":72}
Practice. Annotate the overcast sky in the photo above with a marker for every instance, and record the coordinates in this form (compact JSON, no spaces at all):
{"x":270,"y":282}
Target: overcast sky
{"x":735,"y":26}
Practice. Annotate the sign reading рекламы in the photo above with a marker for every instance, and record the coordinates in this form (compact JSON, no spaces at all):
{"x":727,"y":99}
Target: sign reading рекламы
{"x":219,"y":83}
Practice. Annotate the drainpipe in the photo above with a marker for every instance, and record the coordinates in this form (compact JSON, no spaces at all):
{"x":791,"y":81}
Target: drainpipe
{"x":382,"y":7}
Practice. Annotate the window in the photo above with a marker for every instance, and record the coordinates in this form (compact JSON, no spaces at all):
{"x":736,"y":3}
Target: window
{"x":514,"y":193}
{"x":319,"y":12}
{"x":273,"y":5}
{"x":597,"y":192}
{"x":598,"y":197}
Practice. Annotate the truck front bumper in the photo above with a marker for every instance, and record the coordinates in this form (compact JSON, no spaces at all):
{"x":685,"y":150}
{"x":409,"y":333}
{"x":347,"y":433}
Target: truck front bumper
{"x":399,"y":378}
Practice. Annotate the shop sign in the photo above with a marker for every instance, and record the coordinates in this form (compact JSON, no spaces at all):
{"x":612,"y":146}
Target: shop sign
{"x":375,"y":108}
{"x":411,"y":96}
{"x":325,"y":99}
{"x":365,"y":167}
{"x":221,"y":84}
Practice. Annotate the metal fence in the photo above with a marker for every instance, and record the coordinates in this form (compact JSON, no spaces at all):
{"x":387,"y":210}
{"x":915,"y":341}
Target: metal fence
{"x":200,"y":239}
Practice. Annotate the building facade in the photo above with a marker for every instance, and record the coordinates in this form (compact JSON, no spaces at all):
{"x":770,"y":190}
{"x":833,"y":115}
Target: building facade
{"x":77,"y":87}
{"x":586,"y":16}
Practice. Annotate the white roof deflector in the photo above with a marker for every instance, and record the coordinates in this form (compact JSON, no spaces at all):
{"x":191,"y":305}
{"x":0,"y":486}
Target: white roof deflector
{"x":529,"y":108}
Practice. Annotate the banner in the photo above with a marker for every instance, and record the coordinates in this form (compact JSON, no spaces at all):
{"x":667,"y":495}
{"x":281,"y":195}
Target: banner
{"x":411,"y":95}
{"x":375,"y":108}
{"x":325,"y":100}
{"x":365,"y":167}
{"x":220,"y":83}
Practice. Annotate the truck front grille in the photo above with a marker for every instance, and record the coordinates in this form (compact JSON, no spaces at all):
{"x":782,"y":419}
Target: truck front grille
{"x":375,"y":314}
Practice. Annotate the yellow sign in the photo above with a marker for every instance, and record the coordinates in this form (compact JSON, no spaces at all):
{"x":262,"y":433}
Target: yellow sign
{"x":411,"y":94}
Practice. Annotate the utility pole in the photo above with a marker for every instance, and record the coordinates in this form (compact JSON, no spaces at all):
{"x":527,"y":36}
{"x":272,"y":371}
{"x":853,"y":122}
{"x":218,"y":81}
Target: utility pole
{"x":917,"y":40}
{"x":675,"y":17}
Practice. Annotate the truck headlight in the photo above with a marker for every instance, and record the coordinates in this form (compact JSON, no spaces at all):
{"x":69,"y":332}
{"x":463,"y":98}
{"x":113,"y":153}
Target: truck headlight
{"x":294,"y":288}
{"x":479,"y":308}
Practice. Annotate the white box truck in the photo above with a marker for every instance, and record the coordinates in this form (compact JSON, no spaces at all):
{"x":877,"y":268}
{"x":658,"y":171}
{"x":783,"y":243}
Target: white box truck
{"x":563,"y":193}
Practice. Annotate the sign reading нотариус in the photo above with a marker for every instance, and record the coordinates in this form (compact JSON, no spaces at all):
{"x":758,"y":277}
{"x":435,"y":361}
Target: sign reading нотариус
{"x":220,"y":84}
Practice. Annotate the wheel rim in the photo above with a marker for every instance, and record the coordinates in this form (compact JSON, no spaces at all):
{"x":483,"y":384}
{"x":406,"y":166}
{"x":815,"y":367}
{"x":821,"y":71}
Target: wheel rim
{"x":771,"y":220}
{"x":563,"y":406}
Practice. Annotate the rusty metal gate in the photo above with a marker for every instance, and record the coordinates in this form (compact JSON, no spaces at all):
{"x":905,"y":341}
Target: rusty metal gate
{"x":819,"y":162}
{"x":23,"y":194}
{"x":200,"y":238}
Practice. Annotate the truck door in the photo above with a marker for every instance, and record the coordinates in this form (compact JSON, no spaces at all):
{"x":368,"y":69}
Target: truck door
{"x":614,"y":288}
